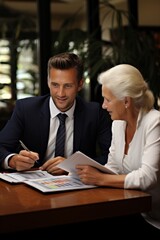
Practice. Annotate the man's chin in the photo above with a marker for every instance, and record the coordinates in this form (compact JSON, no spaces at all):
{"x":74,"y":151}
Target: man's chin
{"x":61,"y":107}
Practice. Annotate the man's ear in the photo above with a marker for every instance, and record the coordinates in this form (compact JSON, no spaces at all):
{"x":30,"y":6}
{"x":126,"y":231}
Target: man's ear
{"x":48,"y":82}
{"x":80,"y":84}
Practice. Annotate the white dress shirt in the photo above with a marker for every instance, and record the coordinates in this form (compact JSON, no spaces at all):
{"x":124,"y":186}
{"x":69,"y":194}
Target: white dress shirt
{"x":142,"y":163}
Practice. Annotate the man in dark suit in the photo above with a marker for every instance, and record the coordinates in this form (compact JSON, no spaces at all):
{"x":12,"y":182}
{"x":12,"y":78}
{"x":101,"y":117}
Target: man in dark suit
{"x":35,"y":122}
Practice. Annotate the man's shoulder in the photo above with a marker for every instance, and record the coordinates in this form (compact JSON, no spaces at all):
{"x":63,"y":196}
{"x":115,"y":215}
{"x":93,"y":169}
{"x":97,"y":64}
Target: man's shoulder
{"x":33,"y":103}
{"x":34,"y":99}
{"x":90,"y":108}
{"x":88,"y":104}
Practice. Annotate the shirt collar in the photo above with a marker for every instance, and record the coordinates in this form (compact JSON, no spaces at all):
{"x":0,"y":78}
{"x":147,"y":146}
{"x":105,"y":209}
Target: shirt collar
{"x":54,"y":110}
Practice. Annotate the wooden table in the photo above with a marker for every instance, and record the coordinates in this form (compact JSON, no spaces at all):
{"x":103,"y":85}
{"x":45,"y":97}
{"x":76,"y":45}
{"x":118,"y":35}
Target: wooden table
{"x":24,"y":208}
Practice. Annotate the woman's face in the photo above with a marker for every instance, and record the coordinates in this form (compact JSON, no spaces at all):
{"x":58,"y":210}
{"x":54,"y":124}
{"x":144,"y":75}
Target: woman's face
{"x":114,"y":106}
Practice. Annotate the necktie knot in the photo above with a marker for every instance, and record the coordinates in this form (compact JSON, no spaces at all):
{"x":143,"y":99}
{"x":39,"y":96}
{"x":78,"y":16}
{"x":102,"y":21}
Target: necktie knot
{"x":62,"y":117}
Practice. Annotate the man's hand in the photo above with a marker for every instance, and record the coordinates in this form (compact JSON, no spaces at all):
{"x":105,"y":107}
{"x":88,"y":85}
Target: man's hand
{"x":23,"y":161}
{"x":51,"y":166}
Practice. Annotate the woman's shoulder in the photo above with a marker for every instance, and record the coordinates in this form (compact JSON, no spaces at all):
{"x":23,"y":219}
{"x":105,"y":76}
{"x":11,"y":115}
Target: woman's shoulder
{"x":152,"y":118}
{"x":153,"y":113}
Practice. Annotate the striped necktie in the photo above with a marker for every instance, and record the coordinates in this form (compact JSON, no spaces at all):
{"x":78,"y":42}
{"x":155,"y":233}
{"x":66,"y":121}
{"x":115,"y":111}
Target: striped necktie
{"x":60,"y":138}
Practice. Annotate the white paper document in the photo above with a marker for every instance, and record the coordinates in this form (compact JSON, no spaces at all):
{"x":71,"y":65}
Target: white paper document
{"x":78,"y":157}
{"x":47,"y":183}
{"x":57,"y":184}
{"x":19,"y":177}
{"x":44,"y":181}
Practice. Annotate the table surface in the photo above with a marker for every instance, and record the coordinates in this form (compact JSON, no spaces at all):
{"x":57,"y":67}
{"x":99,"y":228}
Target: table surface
{"x":24,"y":208}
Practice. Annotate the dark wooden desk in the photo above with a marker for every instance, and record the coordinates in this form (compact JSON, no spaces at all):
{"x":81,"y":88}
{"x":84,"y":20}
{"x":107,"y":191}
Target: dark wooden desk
{"x":24,"y":208}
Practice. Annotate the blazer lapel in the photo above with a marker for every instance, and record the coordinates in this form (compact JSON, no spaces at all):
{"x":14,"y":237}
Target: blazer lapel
{"x":78,"y":125}
{"x":45,"y":123}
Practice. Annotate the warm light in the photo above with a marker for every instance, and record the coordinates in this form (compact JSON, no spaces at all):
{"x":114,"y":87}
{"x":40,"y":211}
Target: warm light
{"x":87,"y":80}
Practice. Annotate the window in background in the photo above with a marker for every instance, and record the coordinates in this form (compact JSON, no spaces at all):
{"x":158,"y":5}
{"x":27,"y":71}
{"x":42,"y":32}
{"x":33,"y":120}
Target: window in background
{"x":27,"y":83}
{"x":26,"y":70}
{"x":5,"y":69}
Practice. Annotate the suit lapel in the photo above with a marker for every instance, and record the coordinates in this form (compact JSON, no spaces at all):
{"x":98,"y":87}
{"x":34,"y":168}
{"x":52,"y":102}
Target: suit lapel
{"x":78,"y":124}
{"x":45,"y":123}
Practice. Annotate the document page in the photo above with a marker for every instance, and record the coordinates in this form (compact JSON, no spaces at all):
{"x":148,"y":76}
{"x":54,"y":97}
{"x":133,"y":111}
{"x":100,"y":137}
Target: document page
{"x":18,"y":177}
{"x":78,"y":157}
{"x":57,"y":184}
{"x":44,"y":181}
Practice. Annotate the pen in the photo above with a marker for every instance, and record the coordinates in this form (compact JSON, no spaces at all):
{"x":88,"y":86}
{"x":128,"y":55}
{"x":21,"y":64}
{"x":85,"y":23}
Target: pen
{"x":25,"y":147}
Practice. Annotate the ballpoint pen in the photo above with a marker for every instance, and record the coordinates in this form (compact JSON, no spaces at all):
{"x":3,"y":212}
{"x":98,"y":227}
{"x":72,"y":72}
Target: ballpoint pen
{"x":25,"y":147}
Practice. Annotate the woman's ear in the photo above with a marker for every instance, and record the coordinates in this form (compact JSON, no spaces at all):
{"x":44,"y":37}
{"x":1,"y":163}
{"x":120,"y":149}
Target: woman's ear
{"x":127,"y":101}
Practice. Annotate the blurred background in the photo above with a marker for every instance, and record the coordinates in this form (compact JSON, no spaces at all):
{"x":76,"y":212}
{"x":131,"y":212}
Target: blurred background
{"x":103,"y":33}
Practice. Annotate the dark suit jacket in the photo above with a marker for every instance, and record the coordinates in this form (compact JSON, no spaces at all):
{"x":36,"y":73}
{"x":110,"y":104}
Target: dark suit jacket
{"x":30,"y":123}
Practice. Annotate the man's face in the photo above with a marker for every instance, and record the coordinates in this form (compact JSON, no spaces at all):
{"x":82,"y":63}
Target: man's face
{"x":64,"y":86}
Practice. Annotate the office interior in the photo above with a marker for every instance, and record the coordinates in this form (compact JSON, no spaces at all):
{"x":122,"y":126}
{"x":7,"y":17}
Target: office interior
{"x":103,"y":32}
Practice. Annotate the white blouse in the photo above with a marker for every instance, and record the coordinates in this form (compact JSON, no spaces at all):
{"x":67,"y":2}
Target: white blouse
{"x":142,"y":163}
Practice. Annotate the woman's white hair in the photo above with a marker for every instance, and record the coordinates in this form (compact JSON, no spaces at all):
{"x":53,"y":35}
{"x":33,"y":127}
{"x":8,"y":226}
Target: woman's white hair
{"x":124,"y":80}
